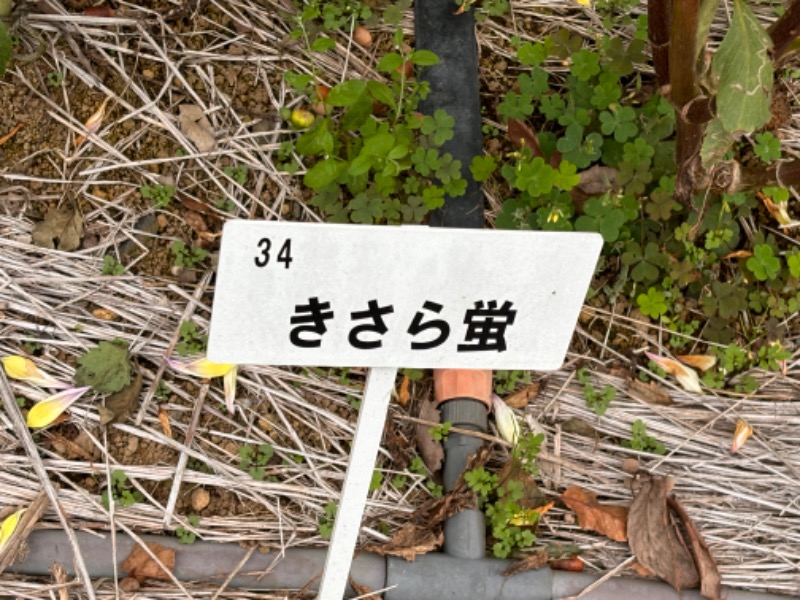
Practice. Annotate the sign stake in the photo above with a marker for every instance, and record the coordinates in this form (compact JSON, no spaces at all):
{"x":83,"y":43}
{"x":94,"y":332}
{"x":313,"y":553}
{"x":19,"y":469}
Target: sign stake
{"x":364,"y":452}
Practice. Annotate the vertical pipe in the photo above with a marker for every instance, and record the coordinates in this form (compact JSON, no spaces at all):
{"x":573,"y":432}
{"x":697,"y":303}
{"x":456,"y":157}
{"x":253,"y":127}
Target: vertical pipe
{"x":453,"y":88}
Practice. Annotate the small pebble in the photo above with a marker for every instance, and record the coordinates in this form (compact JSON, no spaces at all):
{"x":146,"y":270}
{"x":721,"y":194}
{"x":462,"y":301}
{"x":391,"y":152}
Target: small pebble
{"x":200,"y":499}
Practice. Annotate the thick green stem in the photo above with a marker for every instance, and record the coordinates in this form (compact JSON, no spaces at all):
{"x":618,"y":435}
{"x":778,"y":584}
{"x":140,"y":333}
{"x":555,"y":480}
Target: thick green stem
{"x":683,"y":90}
{"x":658,"y":18}
{"x":785,"y":31}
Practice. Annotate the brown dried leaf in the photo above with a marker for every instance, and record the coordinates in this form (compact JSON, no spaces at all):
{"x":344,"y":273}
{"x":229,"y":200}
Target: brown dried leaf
{"x":363,"y":591}
{"x":104,"y":314}
{"x":403,"y":395}
{"x":710,"y":579}
{"x":574,"y":564}
{"x":141,"y":566}
{"x":514,"y":470}
{"x":522,"y":398}
{"x":530,"y":563}
{"x":431,"y":451}
{"x":163,"y":417}
{"x":60,"y":229}
{"x":521,"y":135}
{"x":610,"y":520}
{"x":196,"y":126}
{"x":578,"y":427}
{"x":195,"y":221}
{"x":651,"y":392}
{"x":654,"y":539}
{"x":122,"y":403}
{"x":409,"y":541}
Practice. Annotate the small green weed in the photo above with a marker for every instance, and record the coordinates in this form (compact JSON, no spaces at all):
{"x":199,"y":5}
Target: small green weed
{"x":160,"y":195}
{"x":441,"y":431}
{"x":418,"y":466}
{"x":111,"y":266}
{"x":236,"y":172}
{"x":187,"y":256}
{"x":54,"y":79}
{"x":641,"y":441}
{"x":120,"y":491}
{"x":376,"y":482}
{"x":191,"y":341}
{"x":187,"y":536}
{"x":597,"y":401}
{"x":254,"y":460}
{"x":325,"y":522}
{"x":506,"y":382}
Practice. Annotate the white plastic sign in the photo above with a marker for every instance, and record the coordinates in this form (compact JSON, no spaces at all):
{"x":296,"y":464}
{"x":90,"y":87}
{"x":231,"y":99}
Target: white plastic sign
{"x":312,"y":294}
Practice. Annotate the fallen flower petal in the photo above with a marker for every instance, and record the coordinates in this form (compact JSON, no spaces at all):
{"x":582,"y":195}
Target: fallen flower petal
{"x":778,"y":210}
{"x":506,"y":420}
{"x":229,"y":382}
{"x":530,"y":517}
{"x":45,"y":412}
{"x":200,"y":367}
{"x":24,"y":369}
{"x":700,"y":361}
{"x":687,"y":377}
{"x":743,"y":431}
{"x":9,"y":526}
{"x":94,"y":122}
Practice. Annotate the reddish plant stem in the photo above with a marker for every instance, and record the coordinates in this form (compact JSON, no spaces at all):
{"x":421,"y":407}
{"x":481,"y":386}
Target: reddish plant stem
{"x":658,"y":22}
{"x":785,"y":31}
{"x":730,"y":177}
{"x":684,"y":89}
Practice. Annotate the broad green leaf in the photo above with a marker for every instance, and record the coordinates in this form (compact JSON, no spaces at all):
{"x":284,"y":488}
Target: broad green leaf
{"x":381,"y":92}
{"x":317,"y":140}
{"x":704,"y":19}
{"x":347,"y":93}
{"x":322,"y":173}
{"x":390,"y":62}
{"x":106,"y":368}
{"x":716,"y":142}
{"x":423,"y":58}
{"x":744,"y":69}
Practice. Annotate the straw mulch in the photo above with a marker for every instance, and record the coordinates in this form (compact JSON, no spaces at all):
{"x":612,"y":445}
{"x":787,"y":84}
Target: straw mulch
{"x":745,"y":504}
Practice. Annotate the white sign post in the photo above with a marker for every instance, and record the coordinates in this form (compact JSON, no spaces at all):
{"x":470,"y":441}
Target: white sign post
{"x":384,"y":297}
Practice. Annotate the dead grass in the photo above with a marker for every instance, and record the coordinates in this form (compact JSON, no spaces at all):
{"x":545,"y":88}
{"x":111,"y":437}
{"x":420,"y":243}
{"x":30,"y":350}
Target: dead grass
{"x":229,"y":61}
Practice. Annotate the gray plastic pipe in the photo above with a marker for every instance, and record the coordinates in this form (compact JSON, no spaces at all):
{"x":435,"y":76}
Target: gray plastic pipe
{"x":429,"y":577}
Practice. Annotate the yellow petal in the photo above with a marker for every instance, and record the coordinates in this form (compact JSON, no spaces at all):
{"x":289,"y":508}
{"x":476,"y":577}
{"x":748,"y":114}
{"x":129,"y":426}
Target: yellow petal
{"x":45,"y":412}
{"x":229,"y":382}
{"x":700,"y":361}
{"x":506,"y":420}
{"x":531,"y":516}
{"x":743,"y":431}
{"x":24,"y":369}
{"x":687,"y":377}
{"x":9,"y":525}
{"x":200,"y":367}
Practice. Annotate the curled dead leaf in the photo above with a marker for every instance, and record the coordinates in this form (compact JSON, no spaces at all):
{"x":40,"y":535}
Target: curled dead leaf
{"x":141,"y":565}
{"x":610,"y":520}
{"x":530,"y":563}
{"x":431,"y":451}
{"x":650,"y":392}
{"x":60,"y":229}
{"x":574,"y":564}
{"x":522,"y":136}
{"x":409,"y":541}
{"x":163,"y":417}
{"x":675,"y":553}
{"x":403,"y":395}
{"x":522,"y":398}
